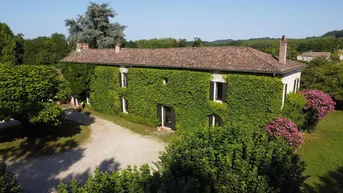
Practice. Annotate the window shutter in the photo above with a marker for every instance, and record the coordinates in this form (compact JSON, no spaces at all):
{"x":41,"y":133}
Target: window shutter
{"x":172,"y":118}
{"x":224,"y":92}
{"x":127,"y":81}
{"x":159,"y":114}
{"x":127,"y":105}
{"x":298,"y":84}
{"x":295,"y":85}
{"x":210,"y":120}
{"x":211,"y":90}
{"x":218,"y":121}
{"x":121,"y":104}
{"x":120,"y":79}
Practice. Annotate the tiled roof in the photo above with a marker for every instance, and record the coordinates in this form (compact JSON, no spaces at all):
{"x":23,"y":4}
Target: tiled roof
{"x":232,"y":58}
{"x":316,"y":54}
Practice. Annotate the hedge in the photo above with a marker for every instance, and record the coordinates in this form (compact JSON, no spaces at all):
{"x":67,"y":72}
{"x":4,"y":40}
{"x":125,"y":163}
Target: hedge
{"x":293,"y":109}
{"x":250,"y":99}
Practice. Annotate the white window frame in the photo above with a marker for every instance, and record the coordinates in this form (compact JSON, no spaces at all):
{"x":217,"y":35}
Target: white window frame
{"x":163,"y":118}
{"x":123,"y":102}
{"x":284,"y":93}
{"x":123,"y":82}
{"x":217,"y":78}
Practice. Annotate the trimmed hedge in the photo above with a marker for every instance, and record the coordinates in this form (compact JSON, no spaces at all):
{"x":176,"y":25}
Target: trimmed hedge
{"x":293,"y":109}
{"x":251,"y":99}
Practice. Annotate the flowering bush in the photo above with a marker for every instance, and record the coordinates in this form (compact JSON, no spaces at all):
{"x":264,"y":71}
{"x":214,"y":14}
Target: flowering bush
{"x":285,"y":129}
{"x":320,"y":101}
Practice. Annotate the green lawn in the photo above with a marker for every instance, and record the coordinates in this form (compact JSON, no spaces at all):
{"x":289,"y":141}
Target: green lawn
{"x":323,"y":154}
{"x":17,"y":142}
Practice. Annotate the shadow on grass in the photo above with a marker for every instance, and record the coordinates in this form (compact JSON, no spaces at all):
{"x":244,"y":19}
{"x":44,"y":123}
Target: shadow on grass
{"x":17,"y":142}
{"x":331,"y":182}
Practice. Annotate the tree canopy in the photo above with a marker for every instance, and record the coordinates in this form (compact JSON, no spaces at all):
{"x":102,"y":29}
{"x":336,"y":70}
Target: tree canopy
{"x":95,"y":27}
{"x":27,"y":93}
{"x":7,"y":45}
{"x":45,"y":50}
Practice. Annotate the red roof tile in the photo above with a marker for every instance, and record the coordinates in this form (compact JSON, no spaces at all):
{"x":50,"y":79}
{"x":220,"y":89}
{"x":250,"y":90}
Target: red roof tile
{"x":232,"y":58}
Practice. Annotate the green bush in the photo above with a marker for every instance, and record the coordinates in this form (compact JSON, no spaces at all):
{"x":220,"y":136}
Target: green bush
{"x":293,"y":109}
{"x":8,"y":181}
{"x":230,"y":160}
{"x":250,"y":99}
{"x":79,"y":77}
{"x":131,"y":180}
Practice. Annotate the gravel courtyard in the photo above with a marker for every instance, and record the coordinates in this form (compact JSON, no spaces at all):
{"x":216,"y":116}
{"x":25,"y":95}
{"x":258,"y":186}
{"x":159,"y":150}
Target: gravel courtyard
{"x":110,"y":147}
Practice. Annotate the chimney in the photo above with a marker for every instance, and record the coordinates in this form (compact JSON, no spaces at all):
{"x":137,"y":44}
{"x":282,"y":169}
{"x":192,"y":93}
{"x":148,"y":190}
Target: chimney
{"x":81,"y":46}
{"x":118,"y":47}
{"x":283,"y":50}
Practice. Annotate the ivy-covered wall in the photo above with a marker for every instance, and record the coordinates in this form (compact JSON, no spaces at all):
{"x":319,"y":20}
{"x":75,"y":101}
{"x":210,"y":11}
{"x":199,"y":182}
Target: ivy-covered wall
{"x":250,"y":99}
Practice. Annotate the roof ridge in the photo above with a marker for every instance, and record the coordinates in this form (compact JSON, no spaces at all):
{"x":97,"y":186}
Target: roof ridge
{"x":252,"y":50}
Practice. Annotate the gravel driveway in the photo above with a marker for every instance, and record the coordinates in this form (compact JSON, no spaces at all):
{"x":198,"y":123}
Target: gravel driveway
{"x":110,"y":147}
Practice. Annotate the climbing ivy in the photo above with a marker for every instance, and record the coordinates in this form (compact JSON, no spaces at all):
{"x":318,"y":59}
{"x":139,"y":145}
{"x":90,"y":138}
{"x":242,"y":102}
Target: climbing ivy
{"x":251,"y":99}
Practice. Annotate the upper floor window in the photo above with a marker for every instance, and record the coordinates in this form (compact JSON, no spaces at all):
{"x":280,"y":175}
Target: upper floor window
{"x":123,"y":79}
{"x":218,"y":91}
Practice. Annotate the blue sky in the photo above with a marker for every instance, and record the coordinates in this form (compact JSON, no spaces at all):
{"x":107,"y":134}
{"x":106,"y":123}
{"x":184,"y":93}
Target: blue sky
{"x":207,"y":19}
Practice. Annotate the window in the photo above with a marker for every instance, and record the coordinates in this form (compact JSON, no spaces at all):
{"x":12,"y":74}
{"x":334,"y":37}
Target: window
{"x":124,"y":105}
{"x":296,"y":85}
{"x":214,"y":121}
{"x":166,"y":115}
{"x":284,"y":94}
{"x":218,"y":91}
{"x":165,"y":81}
{"x":123,"y":79}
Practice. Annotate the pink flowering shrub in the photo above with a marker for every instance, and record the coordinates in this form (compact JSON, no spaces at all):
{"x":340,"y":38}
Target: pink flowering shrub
{"x":320,"y":101}
{"x":285,"y":129}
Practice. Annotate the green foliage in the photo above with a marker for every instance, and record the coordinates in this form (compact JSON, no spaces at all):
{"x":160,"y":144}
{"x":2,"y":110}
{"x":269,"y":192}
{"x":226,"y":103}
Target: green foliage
{"x":293,"y":109}
{"x":19,"y":49}
{"x":94,"y":27}
{"x":79,"y":77}
{"x":131,"y":180}
{"x":64,"y":91}
{"x":47,"y":113}
{"x":26,"y":93}
{"x":8,"y":181}
{"x":7,"y":45}
{"x":253,"y":99}
{"x":230,"y":160}
{"x":104,"y":90}
{"x":197,"y":42}
{"x":45,"y":50}
{"x":157,"y":43}
{"x":325,"y":76}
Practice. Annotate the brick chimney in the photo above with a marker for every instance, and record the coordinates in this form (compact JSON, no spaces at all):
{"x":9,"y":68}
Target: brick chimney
{"x":118,"y":47}
{"x":81,"y":46}
{"x":283,"y":50}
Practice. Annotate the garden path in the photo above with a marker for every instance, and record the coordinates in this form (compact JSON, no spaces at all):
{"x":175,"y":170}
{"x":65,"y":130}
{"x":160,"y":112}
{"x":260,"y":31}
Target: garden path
{"x":110,"y":147}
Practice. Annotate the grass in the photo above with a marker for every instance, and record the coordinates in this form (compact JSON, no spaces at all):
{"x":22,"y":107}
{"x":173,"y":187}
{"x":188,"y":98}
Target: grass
{"x":323,"y":154}
{"x":18,"y":143}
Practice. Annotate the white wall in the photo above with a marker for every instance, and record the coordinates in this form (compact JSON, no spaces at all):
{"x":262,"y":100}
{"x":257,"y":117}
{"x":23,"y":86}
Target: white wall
{"x":218,"y":77}
{"x":305,"y":58}
{"x":289,"y":80}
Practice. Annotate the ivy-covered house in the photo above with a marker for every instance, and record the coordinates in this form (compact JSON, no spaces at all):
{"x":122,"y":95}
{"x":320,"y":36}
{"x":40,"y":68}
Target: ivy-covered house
{"x":180,"y":88}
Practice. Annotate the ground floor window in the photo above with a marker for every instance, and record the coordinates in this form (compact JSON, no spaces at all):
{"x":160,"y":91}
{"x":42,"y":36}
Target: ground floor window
{"x":166,"y":116}
{"x":214,"y":121}
{"x":124,"y":105}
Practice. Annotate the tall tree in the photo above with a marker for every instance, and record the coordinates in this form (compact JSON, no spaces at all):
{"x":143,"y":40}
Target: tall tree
{"x":7,"y":44}
{"x":197,"y":42}
{"x":95,"y":28}
{"x":19,"y":49}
